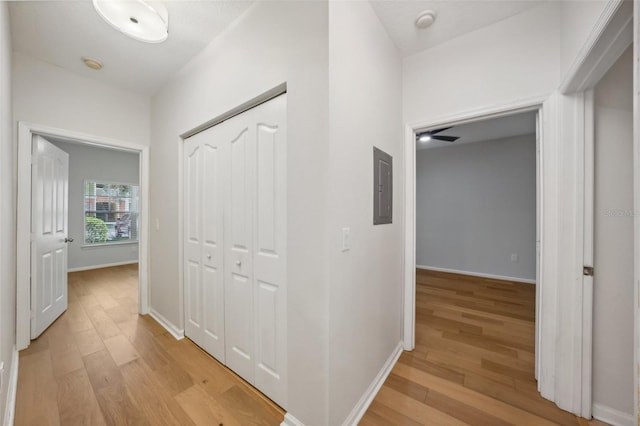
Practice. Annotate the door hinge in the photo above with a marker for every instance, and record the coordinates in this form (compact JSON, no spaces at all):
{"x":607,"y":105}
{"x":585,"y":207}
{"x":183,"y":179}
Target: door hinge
{"x":587,"y":271}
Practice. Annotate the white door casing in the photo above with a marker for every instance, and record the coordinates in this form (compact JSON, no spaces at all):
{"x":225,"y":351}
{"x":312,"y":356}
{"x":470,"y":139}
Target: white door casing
{"x":250,"y":213}
{"x":49,"y":231}
{"x":204,"y":285}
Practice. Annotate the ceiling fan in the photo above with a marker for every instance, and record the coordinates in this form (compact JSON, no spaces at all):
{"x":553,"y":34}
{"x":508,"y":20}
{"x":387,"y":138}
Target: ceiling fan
{"x":433,"y":135}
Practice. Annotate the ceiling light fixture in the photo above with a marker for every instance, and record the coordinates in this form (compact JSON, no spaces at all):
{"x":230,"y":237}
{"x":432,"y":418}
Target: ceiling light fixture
{"x":424,"y":138}
{"x":92,"y":63}
{"x":146,"y":21}
{"x":425,"y":19}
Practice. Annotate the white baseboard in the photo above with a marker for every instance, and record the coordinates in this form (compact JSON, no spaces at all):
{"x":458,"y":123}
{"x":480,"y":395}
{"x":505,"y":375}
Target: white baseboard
{"x":107,"y":265}
{"x":367,"y":398}
{"x":176,"y":332}
{"x":289,"y":420}
{"x":12,"y":389}
{"x":477,"y":274}
{"x":612,"y":416}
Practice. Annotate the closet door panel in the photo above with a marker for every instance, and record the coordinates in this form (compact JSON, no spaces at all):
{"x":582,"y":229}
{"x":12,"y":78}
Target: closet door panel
{"x":239,"y":241}
{"x":203,"y":241}
{"x":212,"y":232}
{"x":270,"y":249}
{"x":192,"y":240}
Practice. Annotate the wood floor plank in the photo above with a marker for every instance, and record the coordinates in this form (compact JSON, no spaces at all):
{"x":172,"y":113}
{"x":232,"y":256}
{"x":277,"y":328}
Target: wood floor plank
{"x":463,"y":412}
{"x":249,"y":409}
{"x":88,"y":342}
{"x":158,"y":406}
{"x":77,"y":403}
{"x":415,"y":410}
{"x":116,"y":404}
{"x":36,"y":401}
{"x":203,"y":409}
{"x":380,"y":414}
{"x":121,"y":350}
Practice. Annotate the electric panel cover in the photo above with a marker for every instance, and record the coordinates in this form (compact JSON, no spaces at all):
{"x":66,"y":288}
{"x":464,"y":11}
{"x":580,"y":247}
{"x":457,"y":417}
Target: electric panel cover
{"x":382,"y":187}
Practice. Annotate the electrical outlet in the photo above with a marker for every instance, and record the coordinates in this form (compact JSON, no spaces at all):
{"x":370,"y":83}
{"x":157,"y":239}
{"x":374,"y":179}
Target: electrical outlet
{"x":346,"y":243}
{"x":514,"y":257}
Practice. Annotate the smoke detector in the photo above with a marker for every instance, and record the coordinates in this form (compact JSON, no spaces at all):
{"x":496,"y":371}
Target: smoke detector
{"x":425,"y":19}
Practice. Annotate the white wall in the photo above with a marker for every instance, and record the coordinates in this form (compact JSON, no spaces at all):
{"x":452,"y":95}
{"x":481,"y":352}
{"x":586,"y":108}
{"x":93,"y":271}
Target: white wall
{"x":613,"y":255}
{"x":88,"y":162}
{"x":476,"y":205}
{"x":514,"y":59}
{"x":7,"y":211}
{"x":48,"y":95}
{"x":365,"y":282}
{"x":272,"y":43}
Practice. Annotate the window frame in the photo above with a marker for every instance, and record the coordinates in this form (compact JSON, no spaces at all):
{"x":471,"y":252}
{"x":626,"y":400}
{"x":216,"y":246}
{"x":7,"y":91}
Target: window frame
{"x":86,"y":244}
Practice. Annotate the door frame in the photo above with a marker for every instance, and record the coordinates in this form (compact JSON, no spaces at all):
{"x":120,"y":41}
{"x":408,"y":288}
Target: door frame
{"x":23,"y":239}
{"x":533,"y":104}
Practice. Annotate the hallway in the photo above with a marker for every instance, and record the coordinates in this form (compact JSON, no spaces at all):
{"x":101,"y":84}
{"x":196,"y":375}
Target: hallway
{"x":101,"y":363}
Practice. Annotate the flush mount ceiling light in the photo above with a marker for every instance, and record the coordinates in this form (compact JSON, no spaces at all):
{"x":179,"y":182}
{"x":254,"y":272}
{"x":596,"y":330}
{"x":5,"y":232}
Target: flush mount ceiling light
{"x":425,"y":19}
{"x":92,"y":63}
{"x":145,"y":21}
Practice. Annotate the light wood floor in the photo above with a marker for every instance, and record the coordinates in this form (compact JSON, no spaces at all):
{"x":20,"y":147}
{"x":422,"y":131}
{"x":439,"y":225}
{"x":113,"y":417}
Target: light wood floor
{"x":102,"y":364}
{"x":474,"y":359}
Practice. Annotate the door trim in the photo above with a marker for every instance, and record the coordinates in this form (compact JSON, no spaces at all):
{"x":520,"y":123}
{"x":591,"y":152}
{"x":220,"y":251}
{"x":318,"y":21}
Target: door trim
{"x":523,"y":105}
{"x":23,"y":239}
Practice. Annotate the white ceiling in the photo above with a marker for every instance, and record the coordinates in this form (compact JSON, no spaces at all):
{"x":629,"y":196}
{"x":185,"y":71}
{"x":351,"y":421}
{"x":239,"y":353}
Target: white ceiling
{"x":454,"y":18}
{"x":61,"y":32}
{"x":486,"y":130}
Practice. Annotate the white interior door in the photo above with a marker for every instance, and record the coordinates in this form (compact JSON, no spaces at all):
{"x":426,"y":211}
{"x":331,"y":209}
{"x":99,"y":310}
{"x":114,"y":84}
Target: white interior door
{"x":49,"y":230}
{"x":203,"y":252}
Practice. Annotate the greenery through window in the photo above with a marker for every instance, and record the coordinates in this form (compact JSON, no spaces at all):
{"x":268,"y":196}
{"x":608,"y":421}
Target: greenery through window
{"x":110,"y":212}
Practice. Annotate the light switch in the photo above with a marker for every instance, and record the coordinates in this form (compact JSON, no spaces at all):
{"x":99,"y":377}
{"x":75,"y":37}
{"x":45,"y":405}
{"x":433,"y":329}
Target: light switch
{"x":157,"y":224}
{"x":346,"y":244}
{"x":514,"y":257}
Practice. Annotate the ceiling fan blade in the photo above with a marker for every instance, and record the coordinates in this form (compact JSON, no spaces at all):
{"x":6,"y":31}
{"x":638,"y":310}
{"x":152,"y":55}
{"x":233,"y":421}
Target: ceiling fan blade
{"x":445,"y":138}
{"x":436,"y":131}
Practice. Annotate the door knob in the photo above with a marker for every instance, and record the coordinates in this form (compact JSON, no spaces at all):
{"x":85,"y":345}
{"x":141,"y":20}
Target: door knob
{"x":238,"y":263}
{"x":68,"y":240}
{"x":209,"y":256}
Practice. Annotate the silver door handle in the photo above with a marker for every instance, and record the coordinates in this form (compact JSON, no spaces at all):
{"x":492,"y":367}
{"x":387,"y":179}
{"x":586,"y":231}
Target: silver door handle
{"x":68,"y":240}
{"x":209,"y":256}
{"x":238,"y":263}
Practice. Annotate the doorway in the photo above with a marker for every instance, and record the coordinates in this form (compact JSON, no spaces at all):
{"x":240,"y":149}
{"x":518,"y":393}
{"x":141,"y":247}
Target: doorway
{"x":411,"y":142}
{"x":26,"y":133}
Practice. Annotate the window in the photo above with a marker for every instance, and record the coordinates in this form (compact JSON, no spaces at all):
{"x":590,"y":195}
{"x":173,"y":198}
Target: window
{"x":110,"y":213}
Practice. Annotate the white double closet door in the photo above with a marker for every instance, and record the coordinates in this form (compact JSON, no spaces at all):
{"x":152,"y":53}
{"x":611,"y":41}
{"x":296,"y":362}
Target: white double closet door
{"x":235,"y":242}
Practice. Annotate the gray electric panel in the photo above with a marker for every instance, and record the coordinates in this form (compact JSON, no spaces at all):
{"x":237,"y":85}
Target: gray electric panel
{"x":382,"y":187}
